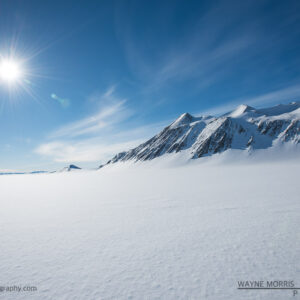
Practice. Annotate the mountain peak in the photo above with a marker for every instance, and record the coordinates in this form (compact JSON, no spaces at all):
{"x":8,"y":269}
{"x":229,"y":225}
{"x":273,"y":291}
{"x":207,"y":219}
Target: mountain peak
{"x":183,"y":119}
{"x":241,"y":109}
{"x":70,"y":168}
{"x":73,"y":167}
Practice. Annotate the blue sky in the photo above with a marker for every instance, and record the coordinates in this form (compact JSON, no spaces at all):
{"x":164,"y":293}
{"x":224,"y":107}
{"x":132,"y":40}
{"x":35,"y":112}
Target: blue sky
{"x":102,"y":76}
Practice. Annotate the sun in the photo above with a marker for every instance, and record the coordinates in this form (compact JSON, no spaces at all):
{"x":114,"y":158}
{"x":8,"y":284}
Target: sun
{"x":10,"y":71}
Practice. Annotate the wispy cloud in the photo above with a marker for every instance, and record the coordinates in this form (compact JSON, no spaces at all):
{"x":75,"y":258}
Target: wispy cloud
{"x":8,"y":171}
{"x":98,"y":149}
{"x":105,"y":117}
{"x":96,"y":138}
{"x":204,"y":51}
{"x":204,"y":64}
{"x":228,"y":40}
{"x":113,"y":112}
{"x":289,"y":94}
{"x":90,"y":150}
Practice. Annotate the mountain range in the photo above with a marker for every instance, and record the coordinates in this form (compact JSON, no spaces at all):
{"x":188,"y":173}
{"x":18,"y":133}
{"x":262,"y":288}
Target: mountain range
{"x":244,"y":128}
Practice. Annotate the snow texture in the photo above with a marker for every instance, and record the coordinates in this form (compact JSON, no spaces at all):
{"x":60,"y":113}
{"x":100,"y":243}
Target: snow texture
{"x":149,"y":231}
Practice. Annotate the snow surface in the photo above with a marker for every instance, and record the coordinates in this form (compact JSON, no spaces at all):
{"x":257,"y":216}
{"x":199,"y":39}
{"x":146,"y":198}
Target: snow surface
{"x":151,"y":231}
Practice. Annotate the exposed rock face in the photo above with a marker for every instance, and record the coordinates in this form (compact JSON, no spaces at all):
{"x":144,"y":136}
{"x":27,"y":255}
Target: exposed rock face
{"x":243,"y":128}
{"x":73,"y":167}
{"x":70,"y":168}
{"x":272,"y":127}
{"x":292,"y":132}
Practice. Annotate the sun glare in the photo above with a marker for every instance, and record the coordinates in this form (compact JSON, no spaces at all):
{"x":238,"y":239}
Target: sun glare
{"x":10,"y":71}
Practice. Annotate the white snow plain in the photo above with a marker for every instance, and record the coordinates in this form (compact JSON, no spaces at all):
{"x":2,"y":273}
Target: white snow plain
{"x":151,"y":231}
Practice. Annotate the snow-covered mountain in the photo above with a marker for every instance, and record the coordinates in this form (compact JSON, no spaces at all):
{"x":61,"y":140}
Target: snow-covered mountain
{"x":244,"y":128}
{"x":70,"y":168}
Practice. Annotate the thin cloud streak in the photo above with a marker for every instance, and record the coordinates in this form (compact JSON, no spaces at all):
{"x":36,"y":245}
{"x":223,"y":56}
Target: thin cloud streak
{"x":104,"y":118}
{"x":95,"y":149}
{"x":113,"y":112}
{"x":84,"y":151}
{"x":288,"y":94}
{"x":97,"y":137}
{"x":203,"y":53}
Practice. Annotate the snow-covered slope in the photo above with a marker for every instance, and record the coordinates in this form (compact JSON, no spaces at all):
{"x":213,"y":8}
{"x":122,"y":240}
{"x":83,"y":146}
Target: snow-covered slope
{"x":244,"y":128}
